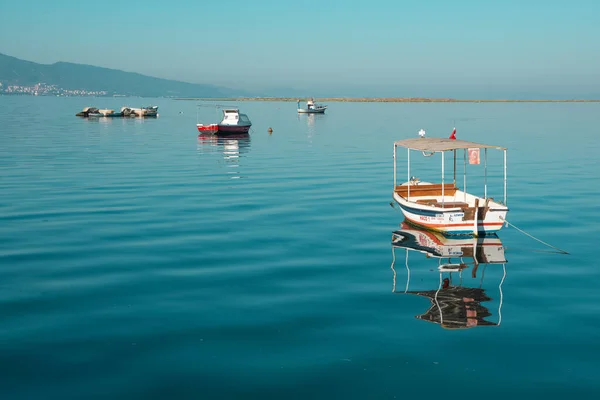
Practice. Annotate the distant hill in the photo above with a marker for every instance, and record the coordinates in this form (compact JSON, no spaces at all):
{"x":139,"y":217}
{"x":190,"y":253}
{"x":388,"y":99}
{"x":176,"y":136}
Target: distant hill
{"x":14,"y":71}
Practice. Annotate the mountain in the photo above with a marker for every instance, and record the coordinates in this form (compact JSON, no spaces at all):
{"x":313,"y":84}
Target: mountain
{"x":14,"y":71}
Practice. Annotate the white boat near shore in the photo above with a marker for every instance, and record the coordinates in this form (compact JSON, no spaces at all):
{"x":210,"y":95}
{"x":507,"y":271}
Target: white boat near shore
{"x":312,"y":107}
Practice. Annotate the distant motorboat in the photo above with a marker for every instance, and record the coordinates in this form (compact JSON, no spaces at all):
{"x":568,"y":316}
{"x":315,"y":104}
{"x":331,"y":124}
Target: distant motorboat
{"x":312,"y":107}
{"x":233,"y":122}
{"x":87,"y":111}
{"x":151,"y":111}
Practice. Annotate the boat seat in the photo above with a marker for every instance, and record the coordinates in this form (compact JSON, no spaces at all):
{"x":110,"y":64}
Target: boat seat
{"x":447,"y":204}
{"x":427,"y":190}
{"x":454,"y":204}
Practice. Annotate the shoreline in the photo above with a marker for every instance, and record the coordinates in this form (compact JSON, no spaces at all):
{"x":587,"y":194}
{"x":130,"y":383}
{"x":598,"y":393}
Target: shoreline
{"x":387,"y":100}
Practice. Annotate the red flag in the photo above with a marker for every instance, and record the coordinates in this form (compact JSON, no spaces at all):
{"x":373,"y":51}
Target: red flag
{"x":453,"y":135}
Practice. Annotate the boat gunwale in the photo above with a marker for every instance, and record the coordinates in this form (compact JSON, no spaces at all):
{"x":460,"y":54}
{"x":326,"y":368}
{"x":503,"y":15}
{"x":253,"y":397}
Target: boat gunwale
{"x":421,"y":206}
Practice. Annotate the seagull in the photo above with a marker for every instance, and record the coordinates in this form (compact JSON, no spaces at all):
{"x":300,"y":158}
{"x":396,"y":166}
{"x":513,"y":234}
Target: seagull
{"x":422,"y":133}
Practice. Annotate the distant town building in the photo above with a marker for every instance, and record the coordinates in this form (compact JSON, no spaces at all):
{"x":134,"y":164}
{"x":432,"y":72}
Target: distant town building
{"x":43,"y":89}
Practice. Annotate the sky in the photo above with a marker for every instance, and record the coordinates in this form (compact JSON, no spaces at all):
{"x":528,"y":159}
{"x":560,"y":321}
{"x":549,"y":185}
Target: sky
{"x":428,"y":48}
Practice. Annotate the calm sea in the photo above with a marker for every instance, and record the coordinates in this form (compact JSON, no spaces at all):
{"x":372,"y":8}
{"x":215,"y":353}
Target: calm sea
{"x":137,"y":261}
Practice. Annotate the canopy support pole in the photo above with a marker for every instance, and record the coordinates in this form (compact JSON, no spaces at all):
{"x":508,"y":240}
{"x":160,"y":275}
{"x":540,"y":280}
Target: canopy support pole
{"x":504,"y":177}
{"x":465,"y":176}
{"x":394,"y":167}
{"x":485,"y":173}
{"x":408,"y":180}
{"x":454,"y":167}
{"x":443,"y":178}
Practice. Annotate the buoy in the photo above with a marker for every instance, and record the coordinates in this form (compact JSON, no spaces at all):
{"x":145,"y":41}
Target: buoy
{"x":270,"y":130}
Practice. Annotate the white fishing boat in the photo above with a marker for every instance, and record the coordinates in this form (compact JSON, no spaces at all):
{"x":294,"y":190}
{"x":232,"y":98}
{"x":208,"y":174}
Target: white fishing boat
{"x":234,"y":122}
{"x":312,"y":107}
{"x":443,"y":206}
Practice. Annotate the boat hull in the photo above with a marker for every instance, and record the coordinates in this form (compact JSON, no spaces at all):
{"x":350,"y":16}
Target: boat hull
{"x":450,"y":221}
{"x":311,"y":111}
{"x":233,"y":129}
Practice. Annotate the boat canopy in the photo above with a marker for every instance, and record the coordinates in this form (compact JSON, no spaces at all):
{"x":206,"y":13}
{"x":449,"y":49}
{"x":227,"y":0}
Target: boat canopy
{"x":441,"y":144}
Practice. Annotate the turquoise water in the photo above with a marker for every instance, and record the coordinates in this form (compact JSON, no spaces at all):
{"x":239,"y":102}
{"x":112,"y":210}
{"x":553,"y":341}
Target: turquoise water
{"x":137,"y":261}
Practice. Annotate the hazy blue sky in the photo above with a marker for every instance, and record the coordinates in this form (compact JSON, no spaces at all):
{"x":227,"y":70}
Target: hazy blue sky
{"x":422,"y":47}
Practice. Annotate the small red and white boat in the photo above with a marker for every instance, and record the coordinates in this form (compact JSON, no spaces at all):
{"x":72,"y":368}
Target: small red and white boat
{"x":233,"y":122}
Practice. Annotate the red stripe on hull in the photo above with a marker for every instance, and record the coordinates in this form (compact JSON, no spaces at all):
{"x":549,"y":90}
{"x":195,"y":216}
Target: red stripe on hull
{"x":455,"y":225}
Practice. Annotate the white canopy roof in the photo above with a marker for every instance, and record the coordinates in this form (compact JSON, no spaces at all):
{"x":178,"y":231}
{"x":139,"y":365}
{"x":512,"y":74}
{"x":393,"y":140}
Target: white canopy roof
{"x":441,"y":144}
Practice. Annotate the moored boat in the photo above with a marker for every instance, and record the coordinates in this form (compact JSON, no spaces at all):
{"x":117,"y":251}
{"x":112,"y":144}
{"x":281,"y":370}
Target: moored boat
{"x":151,"y":111}
{"x":311,"y":107}
{"x":233,"y":122}
{"x":124,"y":112}
{"x":443,"y":206}
{"x":87,"y":111}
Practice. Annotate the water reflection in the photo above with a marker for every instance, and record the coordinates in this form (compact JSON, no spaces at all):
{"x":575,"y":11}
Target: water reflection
{"x":232,"y":147}
{"x":310,"y":123}
{"x":107,"y":121}
{"x":456,"y":301}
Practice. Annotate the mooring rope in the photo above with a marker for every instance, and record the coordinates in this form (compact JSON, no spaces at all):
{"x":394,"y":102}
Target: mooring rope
{"x":534,"y":238}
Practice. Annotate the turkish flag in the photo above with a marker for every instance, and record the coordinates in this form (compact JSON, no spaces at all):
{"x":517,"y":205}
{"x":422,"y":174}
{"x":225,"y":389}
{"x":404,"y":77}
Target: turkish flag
{"x":453,"y":135}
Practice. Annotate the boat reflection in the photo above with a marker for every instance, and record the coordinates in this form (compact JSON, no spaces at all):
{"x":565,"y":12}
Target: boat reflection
{"x":454,"y":305}
{"x":232,"y":147}
{"x":310,"y":123}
